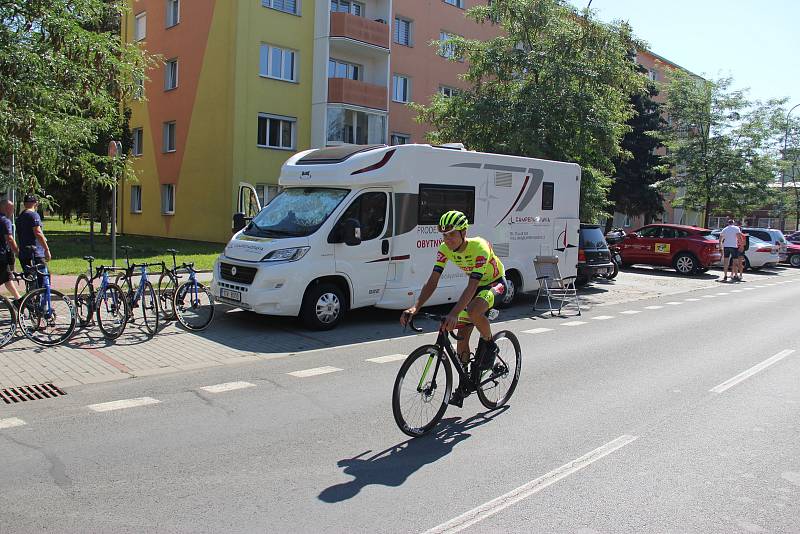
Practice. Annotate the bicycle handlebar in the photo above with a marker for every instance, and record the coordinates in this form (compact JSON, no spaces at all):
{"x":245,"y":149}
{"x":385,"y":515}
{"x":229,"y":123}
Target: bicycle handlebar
{"x":433,"y":317}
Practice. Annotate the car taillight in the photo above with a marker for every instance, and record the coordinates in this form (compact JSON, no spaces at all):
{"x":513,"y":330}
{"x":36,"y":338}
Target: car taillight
{"x":581,"y":255}
{"x":768,"y":250}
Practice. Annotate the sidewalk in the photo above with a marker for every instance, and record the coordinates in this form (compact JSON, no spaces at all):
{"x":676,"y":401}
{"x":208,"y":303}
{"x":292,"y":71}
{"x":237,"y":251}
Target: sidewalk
{"x":66,"y":282}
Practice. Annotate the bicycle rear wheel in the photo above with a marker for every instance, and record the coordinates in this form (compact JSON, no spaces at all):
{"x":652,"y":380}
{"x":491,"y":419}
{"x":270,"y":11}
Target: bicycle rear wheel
{"x":194,"y":305}
{"x":46,"y":321}
{"x":148,"y":307}
{"x":8,"y":321}
{"x":504,"y":373}
{"x":167,"y":284}
{"x":112,"y":311}
{"x":82,"y":298}
{"x":419,"y":399}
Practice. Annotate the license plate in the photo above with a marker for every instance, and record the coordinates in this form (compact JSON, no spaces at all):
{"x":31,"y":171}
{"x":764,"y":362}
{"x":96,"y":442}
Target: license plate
{"x":230,"y":294}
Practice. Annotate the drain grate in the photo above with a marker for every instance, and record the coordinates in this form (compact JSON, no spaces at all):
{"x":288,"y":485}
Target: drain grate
{"x":30,"y":393}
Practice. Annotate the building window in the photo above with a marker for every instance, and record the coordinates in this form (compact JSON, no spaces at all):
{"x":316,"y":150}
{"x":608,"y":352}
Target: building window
{"x":138,"y":90}
{"x":275,"y":131}
{"x":168,"y":199}
{"x":171,"y":74}
{"x":457,"y":3}
{"x":346,"y":6}
{"x":627,"y":222}
{"x":437,"y":199}
{"x":173,"y":12}
{"x":548,"y":190}
{"x":402,"y":31}
{"x":140,"y":26}
{"x":401,"y":88}
{"x":447,"y":50}
{"x":448,"y":91}
{"x":136,"y":199}
{"x":342,"y":69}
{"x":278,"y":63}
{"x":652,"y":74}
{"x":400,"y":139}
{"x":168,"y":132}
{"x":138,"y":141}
{"x":347,"y":125}
{"x":287,"y":6}
{"x":266,"y":193}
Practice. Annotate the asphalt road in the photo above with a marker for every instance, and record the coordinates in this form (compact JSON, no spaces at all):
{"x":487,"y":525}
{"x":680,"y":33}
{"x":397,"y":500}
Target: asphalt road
{"x":628,"y":423}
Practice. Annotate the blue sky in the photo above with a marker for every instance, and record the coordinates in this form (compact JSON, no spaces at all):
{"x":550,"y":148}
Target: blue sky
{"x":757,"y":42}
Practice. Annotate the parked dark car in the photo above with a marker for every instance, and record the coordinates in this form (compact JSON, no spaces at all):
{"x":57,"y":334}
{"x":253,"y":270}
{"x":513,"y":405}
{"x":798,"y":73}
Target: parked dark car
{"x":594,"y":258}
{"x":793,"y":237}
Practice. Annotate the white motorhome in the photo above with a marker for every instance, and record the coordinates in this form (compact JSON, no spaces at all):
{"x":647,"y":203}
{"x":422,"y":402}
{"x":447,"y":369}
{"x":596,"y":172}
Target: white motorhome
{"x":356,"y":226}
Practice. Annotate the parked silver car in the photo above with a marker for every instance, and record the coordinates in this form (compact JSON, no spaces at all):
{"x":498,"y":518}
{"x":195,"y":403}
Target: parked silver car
{"x":759,"y":254}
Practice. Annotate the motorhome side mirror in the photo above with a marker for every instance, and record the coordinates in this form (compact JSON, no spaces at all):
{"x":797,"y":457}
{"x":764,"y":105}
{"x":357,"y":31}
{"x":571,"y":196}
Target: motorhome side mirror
{"x":238,"y":222}
{"x":351,"y":232}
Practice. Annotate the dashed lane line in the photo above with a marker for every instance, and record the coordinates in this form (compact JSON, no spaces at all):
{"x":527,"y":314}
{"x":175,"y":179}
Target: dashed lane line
{"x":537,"y":330}
{"x":227,"y":386}
{"x":674,"y":303}
{"x":387,"y":359}
{"x":630,"y":312}
{"x":750,"y":372}
{"x":305,"y":373}
{"x":11,"y":422}
{"x":691,"y":300}
{"x":123,"y":404}
{"x":602,"y":317}
{"x":721,"y":294}
{"x":653,"y":307}
{"x":573,"y":323}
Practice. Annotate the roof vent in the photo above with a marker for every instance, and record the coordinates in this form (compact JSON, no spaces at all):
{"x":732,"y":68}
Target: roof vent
{"x":451,"y":146}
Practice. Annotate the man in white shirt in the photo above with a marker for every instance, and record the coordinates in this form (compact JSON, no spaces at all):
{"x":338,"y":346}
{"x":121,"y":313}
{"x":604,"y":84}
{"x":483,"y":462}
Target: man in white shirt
{"x":729,"y":243}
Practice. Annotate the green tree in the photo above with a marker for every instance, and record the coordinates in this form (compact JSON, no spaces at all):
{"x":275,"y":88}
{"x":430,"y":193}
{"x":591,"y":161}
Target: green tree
{"x":722,"y":146}
{"x":639,"y":168}
{"x":555,"y":84}
{"x":64,"y":72}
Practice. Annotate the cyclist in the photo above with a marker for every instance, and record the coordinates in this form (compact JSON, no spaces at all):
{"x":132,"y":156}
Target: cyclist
{"x":487,"y":281}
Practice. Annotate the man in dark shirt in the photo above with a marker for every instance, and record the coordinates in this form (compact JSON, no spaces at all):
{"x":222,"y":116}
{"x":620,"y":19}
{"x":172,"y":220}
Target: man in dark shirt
{"x":33,"y":247}
{"x":8,"y":247}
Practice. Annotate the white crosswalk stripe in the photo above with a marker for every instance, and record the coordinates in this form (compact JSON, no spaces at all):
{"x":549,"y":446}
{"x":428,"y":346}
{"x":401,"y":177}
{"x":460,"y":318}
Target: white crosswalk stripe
{"x":11,"y":422}
{"x":537,"y":330}
{"x":630,"y":312}
{"x":123,"y":404}
{"x":573,"y":323}
{"x":228,"y":386}
{"x":602,"y":317}
{"x":305,"y":373}
{"x":387,"y":359}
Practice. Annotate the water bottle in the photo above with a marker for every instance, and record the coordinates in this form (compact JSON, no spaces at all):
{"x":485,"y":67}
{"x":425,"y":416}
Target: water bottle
{"x":493,"y":314}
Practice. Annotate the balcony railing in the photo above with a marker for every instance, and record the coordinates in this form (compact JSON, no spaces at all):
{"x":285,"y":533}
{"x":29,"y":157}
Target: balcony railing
{"x":360,"y":29}
{"x":346,"y":91}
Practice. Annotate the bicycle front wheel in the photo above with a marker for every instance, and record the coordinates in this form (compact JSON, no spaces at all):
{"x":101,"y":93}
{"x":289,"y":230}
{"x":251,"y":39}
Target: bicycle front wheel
{"x":421,"y":391}
{"x":112,"y":311}
{"x":504,"y":374}
{"x":167,"y":284}
{"x":194,"y":305}
{"x":8,"y":321}
{"x":82,"y":298}
{"x":46,"y":320}
{"x":148,"y":307}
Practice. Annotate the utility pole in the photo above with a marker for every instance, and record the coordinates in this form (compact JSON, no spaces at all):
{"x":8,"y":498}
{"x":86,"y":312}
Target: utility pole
{"x":783,"y":170}
{"x":114,"y":152}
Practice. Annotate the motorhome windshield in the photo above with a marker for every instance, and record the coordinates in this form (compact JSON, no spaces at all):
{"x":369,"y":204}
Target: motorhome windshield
{"x":296,"y":212}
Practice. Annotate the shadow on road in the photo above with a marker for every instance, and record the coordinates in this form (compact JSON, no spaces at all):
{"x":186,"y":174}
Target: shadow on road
{"x":393,"y":466}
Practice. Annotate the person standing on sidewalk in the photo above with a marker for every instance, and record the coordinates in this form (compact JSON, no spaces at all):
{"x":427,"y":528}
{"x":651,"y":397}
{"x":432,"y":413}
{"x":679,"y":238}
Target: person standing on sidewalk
{"x":33,"y":248}
{"x":729,"y":242}
{"x":8,"y":247}
{"x":743,"y":241}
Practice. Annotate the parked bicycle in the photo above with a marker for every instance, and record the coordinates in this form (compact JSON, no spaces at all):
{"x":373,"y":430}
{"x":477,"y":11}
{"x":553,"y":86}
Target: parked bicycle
{"x":108,"y":304}
{"x":419,"y":398}
{"x":190,"y":302}
{"x":142,"y":297}
{"x":8,"y":320}
{"x":45,"y":316}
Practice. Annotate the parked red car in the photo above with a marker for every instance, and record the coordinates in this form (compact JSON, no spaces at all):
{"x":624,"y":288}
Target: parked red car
{"x":793,"y":254}
{"x":688,"y":249}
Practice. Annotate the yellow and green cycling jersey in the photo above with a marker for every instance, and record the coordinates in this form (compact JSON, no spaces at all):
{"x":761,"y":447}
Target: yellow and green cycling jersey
{"x":477,"y":259}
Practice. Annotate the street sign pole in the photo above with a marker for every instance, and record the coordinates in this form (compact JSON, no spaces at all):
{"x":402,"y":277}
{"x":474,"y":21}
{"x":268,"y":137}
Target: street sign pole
{"x":114,"y":152}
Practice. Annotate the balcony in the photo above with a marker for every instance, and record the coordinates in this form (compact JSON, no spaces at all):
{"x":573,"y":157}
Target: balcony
{"x":347,"y":91}
{"x":360,"y":29}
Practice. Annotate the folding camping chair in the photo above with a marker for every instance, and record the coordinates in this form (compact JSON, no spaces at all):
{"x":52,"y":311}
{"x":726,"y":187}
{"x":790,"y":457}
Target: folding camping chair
{"x":553,"y":286}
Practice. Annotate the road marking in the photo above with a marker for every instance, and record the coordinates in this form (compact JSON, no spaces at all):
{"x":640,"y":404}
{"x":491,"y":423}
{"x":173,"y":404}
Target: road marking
{"x":653,"y":307}
{"x":494,"y":506}
{"x":122,"y":404}
{"x":630,"y":312}
{"x":228,"y":386}
{"x":387,"y":359}
{"x":537,"y":330}
{"x":11,"y":422}
{"x":573,"y":323}
{"x":748,"y":289}
{"x":709,"y":296}
{"x":720,"y":294}
{"x":736,"y":291}
{"x":691,"y":300}
{"x":758,"y":287}
{"x":314,"y":372}
{"x":674,"y":303}
{"x":750,"y":372}
{"x":602,"y":317}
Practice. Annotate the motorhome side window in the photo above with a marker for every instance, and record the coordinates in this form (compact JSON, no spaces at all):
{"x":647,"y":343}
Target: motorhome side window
{"x":437,"y":199}
{"x":370,"y":210}
{"x":548,"y":188}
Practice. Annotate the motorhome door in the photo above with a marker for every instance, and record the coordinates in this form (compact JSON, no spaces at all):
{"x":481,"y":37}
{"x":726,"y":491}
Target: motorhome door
{"x":367,"y":264}
{"x":565,"y":243}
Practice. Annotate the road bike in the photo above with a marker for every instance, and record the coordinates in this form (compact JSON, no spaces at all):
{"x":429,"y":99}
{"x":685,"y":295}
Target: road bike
{"x":108,"y":304}
{"x":143,"y":297}
{"x":190,"y":302}
{"x":45,"y":316}
{"x":420,"y":396}
{"x":8,"y":321}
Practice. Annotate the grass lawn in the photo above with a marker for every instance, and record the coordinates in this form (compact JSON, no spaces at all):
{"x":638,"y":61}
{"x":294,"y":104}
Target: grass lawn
{"x":69,"y":243}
